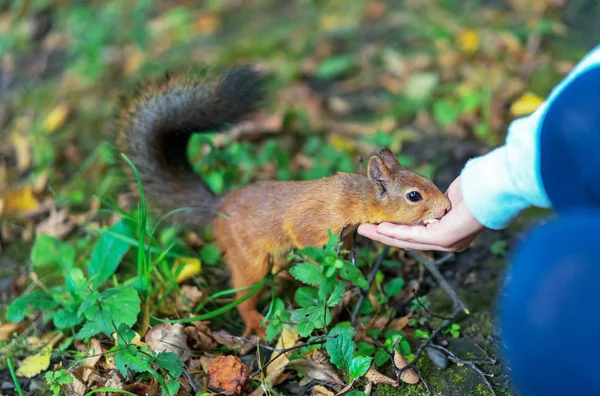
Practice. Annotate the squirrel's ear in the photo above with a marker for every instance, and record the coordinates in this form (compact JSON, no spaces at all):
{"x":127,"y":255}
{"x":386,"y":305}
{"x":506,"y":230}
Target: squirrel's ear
{"x":378,"y":170}
{"x":388,"y":158}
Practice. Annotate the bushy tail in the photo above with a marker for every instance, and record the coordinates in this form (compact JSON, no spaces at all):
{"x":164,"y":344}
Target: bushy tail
{"x":155,"y":125}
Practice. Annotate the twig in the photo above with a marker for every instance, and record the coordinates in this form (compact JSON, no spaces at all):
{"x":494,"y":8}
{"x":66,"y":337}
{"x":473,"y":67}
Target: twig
{"x":427,"y":309}
{"x":195,"y":387}
{"x":423,"y":381}
{"x":428,"y":341}
{"x":468,"y":363}
{"x":281,"y":352}
{"x":432,"y":268}
{"x":364,"y":292}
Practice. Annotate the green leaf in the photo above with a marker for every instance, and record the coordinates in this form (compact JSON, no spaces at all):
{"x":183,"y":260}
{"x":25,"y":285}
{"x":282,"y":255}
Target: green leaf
{"x":305,"y":328}
{"x":381,"y":357}
{"x":210,"y":254}
{"x":318,"y":316}
{"x":421,"y":334}
{"x":341,"y":348}
{"x":51,"y":251}
{"x":364,"y":349}
{"x":172,"y":387}
{"x":499,"y":248}
{"x":353,"y":274}
{"x":393,"y":287}
{"x":334,"y":66}
{"x":273,"y":330}
{"x":308,"y":273}
{"x":306,"y":297}
{"x":109,"y":252}
{"x":67,"y":317}
{"x":130,"y":358}
{"x":359,"y":366}
{"x":37,"y":300}
{"x":356,"y":393}
{"x":170,"y":362}
{"x":118,"y":305}
{"x":336,"y":296}
{"x":445,"y":112}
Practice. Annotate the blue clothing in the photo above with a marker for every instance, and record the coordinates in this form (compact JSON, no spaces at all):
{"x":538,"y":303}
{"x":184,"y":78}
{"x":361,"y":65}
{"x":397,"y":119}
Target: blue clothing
{"x":550,"y":308}
{"x":499,"y":185}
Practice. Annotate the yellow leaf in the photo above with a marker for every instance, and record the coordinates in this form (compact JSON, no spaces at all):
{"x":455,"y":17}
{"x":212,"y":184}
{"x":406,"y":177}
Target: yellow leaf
{"x":288,"y":339}
{"x":35,"y":364}
{"x":22,"y":147}
{"x":20,"y":201}
{"x":56,"y":118}
{"x":191,"y":267}
{"x":468,"y":41}
{"x":526,"y":104}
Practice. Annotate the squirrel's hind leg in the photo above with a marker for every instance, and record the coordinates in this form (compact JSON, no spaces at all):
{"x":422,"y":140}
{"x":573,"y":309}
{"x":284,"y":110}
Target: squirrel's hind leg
{"x":247,"y":271}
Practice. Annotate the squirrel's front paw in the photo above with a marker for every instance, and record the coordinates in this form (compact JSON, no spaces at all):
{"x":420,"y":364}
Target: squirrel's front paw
{"x":253,"y":319}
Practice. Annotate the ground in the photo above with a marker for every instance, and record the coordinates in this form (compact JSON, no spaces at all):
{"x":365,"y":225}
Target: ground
{"x":435,"y":80}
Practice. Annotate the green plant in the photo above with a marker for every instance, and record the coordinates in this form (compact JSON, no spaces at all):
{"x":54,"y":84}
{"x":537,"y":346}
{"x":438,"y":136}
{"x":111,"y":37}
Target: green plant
{"x":57,"y":379}
{"x":14,"y":377}
{"x":453,"y":330}
{"x":341,"y":349}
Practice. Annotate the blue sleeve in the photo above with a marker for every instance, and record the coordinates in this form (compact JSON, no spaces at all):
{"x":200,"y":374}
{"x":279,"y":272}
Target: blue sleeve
{"x":542,"y":154}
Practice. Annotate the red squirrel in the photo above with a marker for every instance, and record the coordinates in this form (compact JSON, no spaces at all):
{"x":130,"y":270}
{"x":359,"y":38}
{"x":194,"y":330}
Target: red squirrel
{"x":265,"y":219}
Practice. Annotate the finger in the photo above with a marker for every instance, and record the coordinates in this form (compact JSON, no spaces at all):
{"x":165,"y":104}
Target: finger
{"x":420,"y":234}
{"x":370,"y":231}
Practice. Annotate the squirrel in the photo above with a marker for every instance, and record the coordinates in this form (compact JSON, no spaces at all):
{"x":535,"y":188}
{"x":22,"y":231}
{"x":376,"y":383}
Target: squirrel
{"x":263,"y":220}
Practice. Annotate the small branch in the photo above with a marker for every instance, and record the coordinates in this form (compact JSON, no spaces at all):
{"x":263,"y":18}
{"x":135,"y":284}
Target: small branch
{"x":424,"y":344}
{"x":432,"y":268}
{"x":364,"y":292}
{"x":470,"y":364}
{"x":281,"y":352}
{"x":427,"y":309}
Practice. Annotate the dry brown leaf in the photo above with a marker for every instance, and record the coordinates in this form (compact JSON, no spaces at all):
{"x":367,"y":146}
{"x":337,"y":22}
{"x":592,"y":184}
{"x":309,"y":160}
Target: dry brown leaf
{"x":58,"y":224}
{"x":94,"y":355}
{"x":188,"y":298}
{"x":234,"y":343}
{"x":377,"y":378}
{"x":400,"y":323}
{"x":7,"y":330}
{"x":409,"y":376}
{"x":316,"y":366}
{"x":167,"y":337}
{"x":288,"y":338}
{"x":114,"y":380}
{"x":228,"y":375}
{"x":320,"y":390}
{"x":75,"y":388}
{"x":200,"y":336}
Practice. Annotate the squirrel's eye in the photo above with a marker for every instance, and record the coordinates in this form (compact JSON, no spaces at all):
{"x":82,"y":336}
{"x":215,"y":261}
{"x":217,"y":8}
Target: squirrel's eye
{"x":414,"y":196}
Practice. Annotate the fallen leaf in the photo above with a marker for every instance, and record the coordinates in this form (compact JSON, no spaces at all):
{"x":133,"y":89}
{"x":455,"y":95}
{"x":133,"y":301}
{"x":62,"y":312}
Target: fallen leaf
{"x":228,"y":375}
{"x":234,"y":343}
{"x":56,"y":118}
{"x":188,"y":298}
{"x":526,"y":104}
{"x":316,"y":366}
{"x":191,"y":267}
{"x":320,"y":390}
{"x":377,"y":378}
{"x":409,"y":376}
{"x":94,"y":355}
{"x":200,"y":336}
{"x":22,"y":147}
{"x":468,"y":41}
{"x":75,"y":388}
{"x":399,"y":323}
{"x":35,"y":364}
{"x":288,"y":338}
{"x":207,"y":23}
{"x":114,"y":380}
{"x":58,"y":224}
{"x":167,"y":337}
{"x":20,"y":201}
{"x":7,"y":330}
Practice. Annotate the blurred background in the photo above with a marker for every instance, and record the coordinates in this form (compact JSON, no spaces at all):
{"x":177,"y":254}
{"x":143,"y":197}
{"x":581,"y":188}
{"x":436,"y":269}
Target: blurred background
{"x":438,"y":81}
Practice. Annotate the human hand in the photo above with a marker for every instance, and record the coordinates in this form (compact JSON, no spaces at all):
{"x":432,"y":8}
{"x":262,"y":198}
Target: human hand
{"x":453,"y":233}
